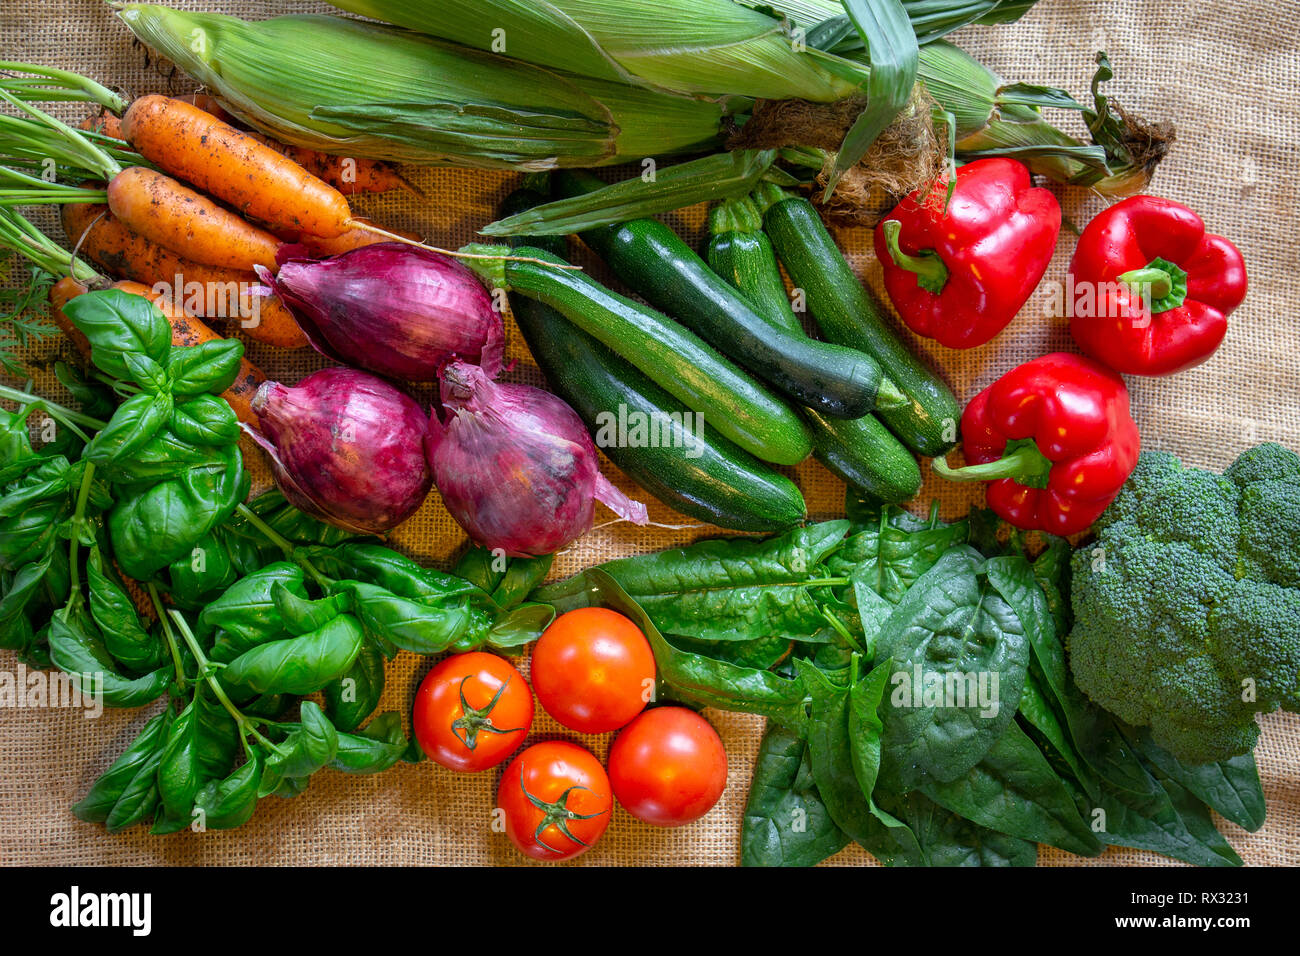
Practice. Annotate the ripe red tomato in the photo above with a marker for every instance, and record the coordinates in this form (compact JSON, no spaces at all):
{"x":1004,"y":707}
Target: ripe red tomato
{"x":472,"y":711}
{"x":668,"y":767}
{"x":593,"y":670}
{"x":556,"y":800}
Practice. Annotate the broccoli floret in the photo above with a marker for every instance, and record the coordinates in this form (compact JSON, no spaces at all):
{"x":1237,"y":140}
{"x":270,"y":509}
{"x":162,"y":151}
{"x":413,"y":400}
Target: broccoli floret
{"x":1187,"y":606}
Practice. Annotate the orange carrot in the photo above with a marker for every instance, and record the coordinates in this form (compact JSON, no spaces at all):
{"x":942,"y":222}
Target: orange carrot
{"x":234,"y":167}
{"x":103,"y":122}
{"x":189,"y":224}
{"x":348,"y":174}
{"x":354,"y":238}
{"x":61,"y":293}
{"x":209,"y":104}
{"x":104,"y":240}
{"x":187,"y":330}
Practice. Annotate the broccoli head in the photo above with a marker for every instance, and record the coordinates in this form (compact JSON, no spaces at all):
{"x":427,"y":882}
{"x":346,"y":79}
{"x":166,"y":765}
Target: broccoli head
{"x":1187,"y":605}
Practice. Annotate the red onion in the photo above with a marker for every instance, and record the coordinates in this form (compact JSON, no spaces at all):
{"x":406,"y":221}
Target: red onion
{"x":346,"y":447}
{"x":395,"y":309}
{"x":515,"y":465}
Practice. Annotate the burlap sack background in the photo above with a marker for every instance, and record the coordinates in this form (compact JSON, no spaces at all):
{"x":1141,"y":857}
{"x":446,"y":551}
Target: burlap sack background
{"x":1225,"y":72}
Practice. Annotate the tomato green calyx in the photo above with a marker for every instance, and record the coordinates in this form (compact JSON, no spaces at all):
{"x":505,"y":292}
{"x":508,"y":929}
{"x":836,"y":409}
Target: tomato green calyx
{"x":1021,"y":461}
{"x":557,"y":815}
{"x":1162,"y":284}
{"x":931,"y":273}
{"x":466,"y":727}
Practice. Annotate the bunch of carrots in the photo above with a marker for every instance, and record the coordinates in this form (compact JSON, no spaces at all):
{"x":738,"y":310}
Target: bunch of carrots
{"x":174,"y":191}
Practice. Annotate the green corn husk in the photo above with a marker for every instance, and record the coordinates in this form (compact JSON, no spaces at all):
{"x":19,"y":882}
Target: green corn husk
{"x":357,"y":88}
{"x":711,"y":47}
{"x":994,"y":118}
{"x":931,"y":19}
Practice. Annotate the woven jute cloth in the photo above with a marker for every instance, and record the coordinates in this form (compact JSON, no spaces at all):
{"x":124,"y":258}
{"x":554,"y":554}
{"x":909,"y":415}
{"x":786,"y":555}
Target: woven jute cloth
{"x":1223,"y":72}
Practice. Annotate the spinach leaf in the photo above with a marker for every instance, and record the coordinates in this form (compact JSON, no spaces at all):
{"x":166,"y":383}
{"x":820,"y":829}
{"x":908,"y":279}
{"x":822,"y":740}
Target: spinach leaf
{"x":948,"y":839}
{"x":735,"y":589}
{"x":1014,"y":790}
{"x":1163,"y":819}
{"x":890,"y":552}
{"x":835,"y":772}
{"x":786,"y":823}
{"x":950,"y":639}
{"x":701,"y":680}
{"x":1231,"y":788}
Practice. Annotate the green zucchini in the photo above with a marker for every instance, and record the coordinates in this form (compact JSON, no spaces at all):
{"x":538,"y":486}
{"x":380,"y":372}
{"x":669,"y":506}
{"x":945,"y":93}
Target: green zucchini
{"x":847,"y":313}
{"x":677,"y":359}
{"x":717,"y":482}
{"x":660,"y":267}
{"x":860,"y":451}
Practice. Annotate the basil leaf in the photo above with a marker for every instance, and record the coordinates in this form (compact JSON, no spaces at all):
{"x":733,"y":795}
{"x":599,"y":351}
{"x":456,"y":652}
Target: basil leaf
{"x":230,"y":802}
{"x":145,"y":372}
{"x":202,"y":574}
{"x":116,"y":322}
{"x":125,"y":638}
{"x":99,"y":802}
{"x":246,"y":614}
{"x":136,"y":421}
{"x":302,"y":616}
{"x":310,"y":745}
{"x":153,"y":525}
{"x":409,"y":625}
{"x":205,"y":420}
{"x":299,"y":665}
{"x":520,"y":626}
{"x":80,"y":653}
{"x":354,"y":696}
{"x":200,"y":748}
{"x":376,"y":748}
{"x":207,"y":367}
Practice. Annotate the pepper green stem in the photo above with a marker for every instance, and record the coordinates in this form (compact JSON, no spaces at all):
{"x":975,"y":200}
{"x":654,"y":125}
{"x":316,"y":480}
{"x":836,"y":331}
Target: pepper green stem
{"x":1157,"y":280}
{"x":1022,"y":462}
{"x":931,"y":273}
{"x":1161,"y":284}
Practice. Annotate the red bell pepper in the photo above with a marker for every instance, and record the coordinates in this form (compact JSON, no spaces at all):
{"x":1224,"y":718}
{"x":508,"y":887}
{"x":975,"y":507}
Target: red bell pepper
{"x":1147,"y":251}
{"x":960,"y":274}
{"x":1055,"y":439}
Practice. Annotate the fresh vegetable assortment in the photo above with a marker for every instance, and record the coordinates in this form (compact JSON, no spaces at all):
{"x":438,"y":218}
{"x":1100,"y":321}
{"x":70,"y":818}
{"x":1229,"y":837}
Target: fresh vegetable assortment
{"x":940,"y":693}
